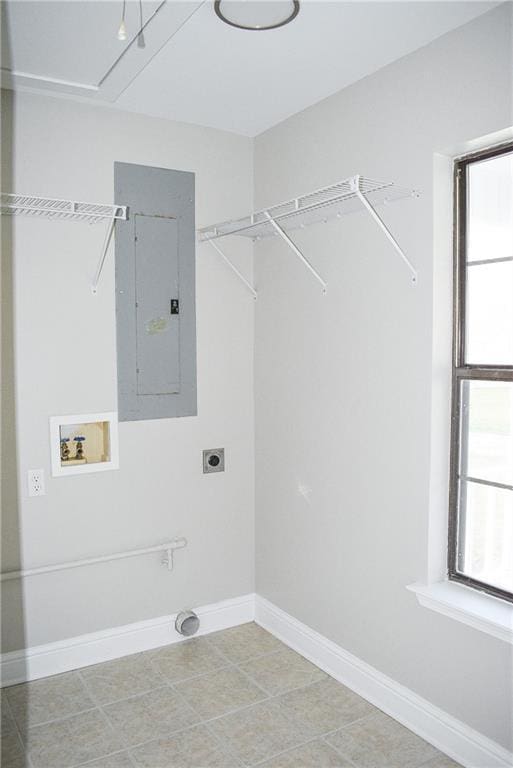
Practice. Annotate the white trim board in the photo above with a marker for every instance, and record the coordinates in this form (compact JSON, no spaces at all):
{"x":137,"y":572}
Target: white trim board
{"x":464,"y":744}
{"x":165,"y":21}
{"x":76,"y":652}
{"x":457,"y":601}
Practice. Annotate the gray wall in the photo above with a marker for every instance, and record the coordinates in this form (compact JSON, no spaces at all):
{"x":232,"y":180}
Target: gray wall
{"x":343,"y":382}
{"x":66,"y":363}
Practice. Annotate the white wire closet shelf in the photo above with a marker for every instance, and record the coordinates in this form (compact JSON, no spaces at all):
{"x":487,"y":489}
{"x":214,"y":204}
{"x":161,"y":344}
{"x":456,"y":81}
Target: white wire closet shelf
{"x":28,"y":205}
{"x":71,"y":210}
{"x":338,"y":199}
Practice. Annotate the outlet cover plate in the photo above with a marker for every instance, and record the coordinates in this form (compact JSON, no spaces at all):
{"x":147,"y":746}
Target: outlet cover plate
{"x":36,"y":482}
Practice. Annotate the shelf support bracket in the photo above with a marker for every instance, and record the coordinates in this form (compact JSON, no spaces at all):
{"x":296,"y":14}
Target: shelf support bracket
{"x":234,"y":268}
{"x":105,"y":248}
{"x":281,"y":232}
{"x":168,"y":559}
{"x":356,"y":186}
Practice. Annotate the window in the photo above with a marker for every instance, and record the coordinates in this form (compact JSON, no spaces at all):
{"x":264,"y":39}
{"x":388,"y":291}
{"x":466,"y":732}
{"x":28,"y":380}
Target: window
{"x":481,"y":496}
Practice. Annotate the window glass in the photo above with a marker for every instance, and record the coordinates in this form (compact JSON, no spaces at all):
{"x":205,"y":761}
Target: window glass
{"x":485,"y":550}
{"x":489,"y":326}
{"x":490,"y":207}
{"x":487,"y":427}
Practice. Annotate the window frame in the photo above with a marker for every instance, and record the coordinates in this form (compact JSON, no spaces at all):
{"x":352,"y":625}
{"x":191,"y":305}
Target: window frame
{"x":461,"y":371}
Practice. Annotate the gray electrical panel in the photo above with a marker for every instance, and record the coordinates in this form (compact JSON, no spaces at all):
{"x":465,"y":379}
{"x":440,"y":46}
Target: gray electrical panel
{"x":155,"y":293}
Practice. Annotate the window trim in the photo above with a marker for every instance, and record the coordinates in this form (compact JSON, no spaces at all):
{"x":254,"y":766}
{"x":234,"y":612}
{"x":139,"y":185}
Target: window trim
{"x":461,"y":371}
{"x":462,"y":603}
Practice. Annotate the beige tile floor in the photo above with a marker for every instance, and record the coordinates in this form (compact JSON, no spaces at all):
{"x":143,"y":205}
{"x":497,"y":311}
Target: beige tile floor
{"x":232,"y":699}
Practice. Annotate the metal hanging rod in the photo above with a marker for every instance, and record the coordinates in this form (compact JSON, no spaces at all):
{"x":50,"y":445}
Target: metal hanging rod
{"x":338,"y":199}
{"x":51,"y":208}
{"x":168,"y":547}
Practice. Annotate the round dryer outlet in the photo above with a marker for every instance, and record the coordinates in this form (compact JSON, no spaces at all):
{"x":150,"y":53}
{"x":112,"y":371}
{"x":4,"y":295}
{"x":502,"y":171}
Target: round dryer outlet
{"x":213,"y":460}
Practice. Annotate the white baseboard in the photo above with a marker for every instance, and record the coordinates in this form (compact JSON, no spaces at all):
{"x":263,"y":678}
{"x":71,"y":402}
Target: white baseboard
{"x":73,"y":653}
{"x":446,"y":733}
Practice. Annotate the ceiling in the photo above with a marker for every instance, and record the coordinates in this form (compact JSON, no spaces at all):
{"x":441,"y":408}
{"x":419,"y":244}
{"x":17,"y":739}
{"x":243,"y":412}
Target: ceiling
{"x":194,"y":68}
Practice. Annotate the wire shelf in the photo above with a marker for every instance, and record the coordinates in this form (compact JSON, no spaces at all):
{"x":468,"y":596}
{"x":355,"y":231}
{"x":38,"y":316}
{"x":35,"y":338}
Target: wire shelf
{"x":327,"y":203}
{"x":16,"y":205}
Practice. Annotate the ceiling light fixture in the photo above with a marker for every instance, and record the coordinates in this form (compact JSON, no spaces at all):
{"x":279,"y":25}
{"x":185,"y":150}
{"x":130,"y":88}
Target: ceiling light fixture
{"x":122,"y":26}
{"x":257,"y":15}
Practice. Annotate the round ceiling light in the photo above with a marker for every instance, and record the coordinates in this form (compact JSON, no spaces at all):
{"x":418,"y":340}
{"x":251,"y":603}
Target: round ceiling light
{"x":257,"y":15}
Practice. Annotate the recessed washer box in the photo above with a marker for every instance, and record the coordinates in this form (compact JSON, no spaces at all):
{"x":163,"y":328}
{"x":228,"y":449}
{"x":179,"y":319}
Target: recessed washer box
{"x":84,"y":442}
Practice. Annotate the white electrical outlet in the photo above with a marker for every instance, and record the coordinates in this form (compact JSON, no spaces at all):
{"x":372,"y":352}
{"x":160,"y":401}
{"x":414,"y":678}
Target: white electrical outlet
{"x":36,"y":482}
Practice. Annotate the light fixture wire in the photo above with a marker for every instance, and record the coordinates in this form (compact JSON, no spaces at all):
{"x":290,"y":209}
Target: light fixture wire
{"x":122,"y":26}
{"x":141,"y":42}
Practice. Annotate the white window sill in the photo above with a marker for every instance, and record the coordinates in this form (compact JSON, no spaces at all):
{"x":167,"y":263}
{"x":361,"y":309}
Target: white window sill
{"x":478,"y":610}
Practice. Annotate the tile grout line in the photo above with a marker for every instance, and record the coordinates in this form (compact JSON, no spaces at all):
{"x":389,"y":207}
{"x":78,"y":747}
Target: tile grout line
{"x":206,"y":721}
{"x":170,"y":735}
{"x":249,"y":658}
{"x":253,"y":681}
{"x":184,"y":701}
{"x":290,"y":749}
{"x":103,"y":757}
{"x":210,"y":645}
{"x":233,"y":711}
{"x":244,"y":661}
{"x":344,"y":757}
{"x":318,"y":737}
{"x":226,"y":746}
{"x":175,"y":685}
{"x":105,"y":719}
{"x":325,"y":736}
{"x":271,"y":698}
{"x":62,"y":719}
{"x":18,"y":731}
{"x":126,"y":746}
{"x":283,"y":752}
{"x":434,"y":757}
